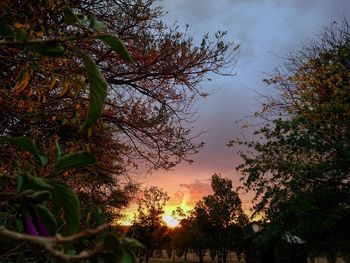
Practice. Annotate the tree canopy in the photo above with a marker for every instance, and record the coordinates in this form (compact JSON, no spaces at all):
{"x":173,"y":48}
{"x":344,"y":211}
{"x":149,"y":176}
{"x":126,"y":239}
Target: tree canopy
{"x":89,"y":92}
{"x":216,"y":222}
{"x":303,"y":151}
{"x":149,"y":90}
{"x":147,"y":225}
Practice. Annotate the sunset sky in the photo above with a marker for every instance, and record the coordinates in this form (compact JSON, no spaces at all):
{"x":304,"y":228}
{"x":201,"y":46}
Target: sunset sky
{"x":266,"y":30}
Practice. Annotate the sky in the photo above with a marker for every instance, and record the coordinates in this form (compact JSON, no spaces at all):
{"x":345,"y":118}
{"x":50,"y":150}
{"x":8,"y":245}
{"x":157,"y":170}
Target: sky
{"x":267,"y":31}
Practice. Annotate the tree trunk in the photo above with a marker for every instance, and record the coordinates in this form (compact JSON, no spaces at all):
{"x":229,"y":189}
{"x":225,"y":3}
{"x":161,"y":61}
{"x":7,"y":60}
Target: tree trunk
{"x":330,"y":256}
{"x":200,"y":253}
{"x":219,"y":255}
{"x":146,"y":256}
{"x":201,"y":258}
{"x":224,"y":256}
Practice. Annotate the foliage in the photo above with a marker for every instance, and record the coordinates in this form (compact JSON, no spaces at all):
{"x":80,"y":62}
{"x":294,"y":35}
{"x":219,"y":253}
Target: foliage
{"x":194,"y":231}
{"x":59,"y":65}
{"x":147,"y":225}
{"x":216,"y":222}
{"x":37,"y":204}
{"x":226,"y":216}
{"x":42,"y":206}
{"x":103,"y":82}
{"x":304,"y":151}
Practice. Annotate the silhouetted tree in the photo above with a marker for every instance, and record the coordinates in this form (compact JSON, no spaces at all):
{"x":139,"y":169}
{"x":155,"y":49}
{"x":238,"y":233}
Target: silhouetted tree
{"x":147,"y":225}
{"x":303,"y":151}
{"x":226,"y":217}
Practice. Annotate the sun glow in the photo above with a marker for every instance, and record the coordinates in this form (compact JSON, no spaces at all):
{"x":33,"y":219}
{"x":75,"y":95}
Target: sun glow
{"x":170,"y":221}
{"x":167,"y":217}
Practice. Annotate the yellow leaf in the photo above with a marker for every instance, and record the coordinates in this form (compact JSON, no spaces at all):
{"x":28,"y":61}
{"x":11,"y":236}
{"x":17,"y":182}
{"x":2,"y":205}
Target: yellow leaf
{"x":40,"y":34}
{"x":65,"y":89}
{"x":30,"y":93}
{"x":89,"y":132}
{"x":22,"y":83}
{"x":77,"y":106}
{"x":19,"y":25}
{"x":53,"y":82}
{"x":88,"y":217}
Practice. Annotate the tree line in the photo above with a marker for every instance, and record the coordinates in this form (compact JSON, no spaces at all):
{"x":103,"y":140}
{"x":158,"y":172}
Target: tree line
{"x":216,"y":223}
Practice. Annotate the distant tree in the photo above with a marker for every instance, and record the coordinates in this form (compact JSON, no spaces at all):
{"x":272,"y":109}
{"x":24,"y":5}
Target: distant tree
{"x":147,"y":225}
{"x":303,"y":149}
{"x":195,"y":229}
{"x":226,"y":216}
{"x":180,"y":234}
{"x":215,"y":223}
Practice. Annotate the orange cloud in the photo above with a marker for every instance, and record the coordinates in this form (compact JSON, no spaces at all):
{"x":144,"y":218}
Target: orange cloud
{"x":196,"y":191}
{"x":177,"y":197}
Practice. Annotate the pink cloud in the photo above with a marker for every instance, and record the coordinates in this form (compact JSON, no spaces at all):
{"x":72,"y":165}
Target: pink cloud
{"x":196,"y":191}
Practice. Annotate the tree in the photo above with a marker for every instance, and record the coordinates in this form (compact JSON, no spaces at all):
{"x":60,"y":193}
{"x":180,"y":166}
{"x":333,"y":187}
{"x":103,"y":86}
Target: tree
{"x":217,"y":222}
{"x":146,"y":116}
{"x":226,"y":216}
{"x":304,"y":149}
{"x":147,"y":225}
{"x":194,"y":231}
{"x":180,"y":239}
{"x":56,"y":103}
{"x":40,"y":206}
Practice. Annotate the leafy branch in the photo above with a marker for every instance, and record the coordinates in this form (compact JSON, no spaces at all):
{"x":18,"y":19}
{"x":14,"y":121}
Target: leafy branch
{"x":50,"y":243}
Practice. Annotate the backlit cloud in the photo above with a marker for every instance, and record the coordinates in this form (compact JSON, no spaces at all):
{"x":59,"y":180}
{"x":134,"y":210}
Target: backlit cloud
{"x":196,"y":191}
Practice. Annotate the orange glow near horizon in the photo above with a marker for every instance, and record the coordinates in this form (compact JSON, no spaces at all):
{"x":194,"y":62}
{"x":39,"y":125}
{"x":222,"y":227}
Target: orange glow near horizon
{"x":167,"y":217}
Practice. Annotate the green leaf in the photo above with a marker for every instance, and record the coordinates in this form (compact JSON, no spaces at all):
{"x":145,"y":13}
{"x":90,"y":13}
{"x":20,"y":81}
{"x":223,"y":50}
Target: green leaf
{"x":38,"y":183}
{"x":128,"y":257}
{"x":20,"y":34}
{"x":109,"y":257}
{"x":98,"y":92}
{"x":50,"y":50}
{"x":48,"y":219}
{"x":116,"y":44}
{"x":19,"y":224}
{"x":96,"y":24}
{"x":40,"y":196}
{"x":69,"y":16}
{"x":64,"y":198}
{"x":132,"y":243}
{"x":3,"y":218}
{"x":26,"y":144}
{"x":6,"y":31}
{"x":111,"y":242}
{"x":20,"y":182}
{"x":58,"y":151}
{"x":74,"y":160}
